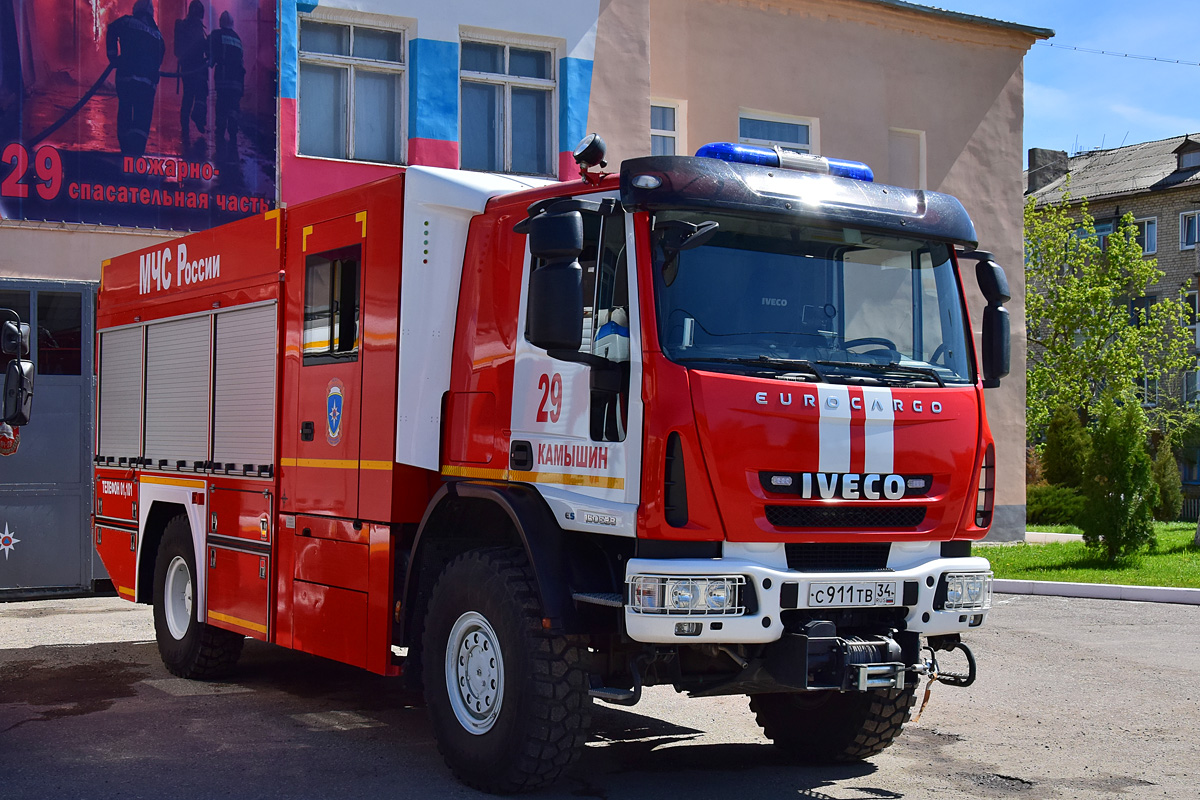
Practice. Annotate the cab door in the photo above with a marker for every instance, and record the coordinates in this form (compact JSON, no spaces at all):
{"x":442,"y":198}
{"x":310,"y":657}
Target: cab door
{"x":321,"y":444}
{"x":576,"y":429}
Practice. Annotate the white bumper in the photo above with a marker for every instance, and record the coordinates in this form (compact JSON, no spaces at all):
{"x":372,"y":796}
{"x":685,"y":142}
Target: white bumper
{"x":767,"y":582}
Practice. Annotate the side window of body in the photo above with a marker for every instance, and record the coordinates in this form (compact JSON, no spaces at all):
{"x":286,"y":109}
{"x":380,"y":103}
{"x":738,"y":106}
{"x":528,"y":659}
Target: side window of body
{"x":331,"y":315}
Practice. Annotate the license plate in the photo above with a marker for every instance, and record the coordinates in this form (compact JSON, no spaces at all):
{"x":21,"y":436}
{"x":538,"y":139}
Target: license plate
{"x":851,"y":594}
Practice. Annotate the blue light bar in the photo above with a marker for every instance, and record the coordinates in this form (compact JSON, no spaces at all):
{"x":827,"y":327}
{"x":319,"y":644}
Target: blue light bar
{"x":785,"y":159}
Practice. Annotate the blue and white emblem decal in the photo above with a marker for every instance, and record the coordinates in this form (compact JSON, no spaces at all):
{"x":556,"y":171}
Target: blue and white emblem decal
{"x":334,"y":413}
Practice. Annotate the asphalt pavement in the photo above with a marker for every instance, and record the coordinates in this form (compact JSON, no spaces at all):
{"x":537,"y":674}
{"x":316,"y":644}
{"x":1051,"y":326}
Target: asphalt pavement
{"x":1076,"y":698}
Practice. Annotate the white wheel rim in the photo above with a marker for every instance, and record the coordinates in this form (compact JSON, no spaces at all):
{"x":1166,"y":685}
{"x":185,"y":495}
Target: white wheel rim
{"x":177,"y":597}
{"x":474,"y":673}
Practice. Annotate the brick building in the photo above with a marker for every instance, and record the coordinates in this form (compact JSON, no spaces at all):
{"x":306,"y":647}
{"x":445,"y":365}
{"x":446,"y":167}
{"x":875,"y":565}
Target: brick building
{"x":1159,"y":183}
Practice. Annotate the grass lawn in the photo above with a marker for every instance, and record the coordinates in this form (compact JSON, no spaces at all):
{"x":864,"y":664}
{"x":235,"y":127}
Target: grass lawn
{"x":1176,"y":562}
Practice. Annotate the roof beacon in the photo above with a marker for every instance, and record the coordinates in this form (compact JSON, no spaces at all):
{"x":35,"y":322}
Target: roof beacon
{"x":785,"y":159}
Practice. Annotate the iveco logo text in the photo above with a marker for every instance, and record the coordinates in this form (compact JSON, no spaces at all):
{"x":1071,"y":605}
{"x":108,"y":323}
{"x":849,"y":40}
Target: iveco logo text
{"x":852,"y":486}
{"x":774,"y":301}
{"x":856,"y":403}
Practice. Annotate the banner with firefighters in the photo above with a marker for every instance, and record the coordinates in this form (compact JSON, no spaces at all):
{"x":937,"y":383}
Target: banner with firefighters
{"x":139,"y":113}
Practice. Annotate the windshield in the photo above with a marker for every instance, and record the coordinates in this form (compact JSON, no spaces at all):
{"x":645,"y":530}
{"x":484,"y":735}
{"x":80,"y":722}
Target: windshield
{"x":807,"y":303}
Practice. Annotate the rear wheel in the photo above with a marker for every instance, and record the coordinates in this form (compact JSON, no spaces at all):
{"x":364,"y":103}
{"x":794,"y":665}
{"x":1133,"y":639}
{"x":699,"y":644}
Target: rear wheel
{"x":189,"y":649}
{"x":509,"y":702}
{"x":831,"y":726}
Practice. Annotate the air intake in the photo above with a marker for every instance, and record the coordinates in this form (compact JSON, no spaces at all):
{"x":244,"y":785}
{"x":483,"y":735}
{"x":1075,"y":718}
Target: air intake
{"x":675,"y":484}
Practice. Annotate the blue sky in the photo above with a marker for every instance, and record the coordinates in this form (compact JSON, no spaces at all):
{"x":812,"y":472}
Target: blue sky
{"x":1082,"y":101}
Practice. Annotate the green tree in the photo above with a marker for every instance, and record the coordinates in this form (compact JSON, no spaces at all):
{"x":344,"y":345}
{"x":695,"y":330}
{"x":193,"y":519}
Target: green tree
{"x":1067,"y":444}
{"x":1170,"y":483}
{"x":1083,"y":338}
{"x":1119,"y":487}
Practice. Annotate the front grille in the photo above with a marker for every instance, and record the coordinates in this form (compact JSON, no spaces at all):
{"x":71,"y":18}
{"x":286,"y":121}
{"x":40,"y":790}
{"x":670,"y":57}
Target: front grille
{"x":837,"y":556}
{"x":873,"y":516}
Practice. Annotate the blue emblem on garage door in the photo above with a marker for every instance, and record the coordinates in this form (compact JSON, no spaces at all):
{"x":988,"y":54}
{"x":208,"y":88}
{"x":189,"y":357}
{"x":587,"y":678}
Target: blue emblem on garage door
{"x":334,"y":412}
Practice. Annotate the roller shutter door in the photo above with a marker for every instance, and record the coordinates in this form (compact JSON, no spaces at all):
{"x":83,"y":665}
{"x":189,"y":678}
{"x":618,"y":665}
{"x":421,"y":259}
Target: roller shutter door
{"x":244,"y":392}
{"x":121,"y":393}
{"x":178,"y":368}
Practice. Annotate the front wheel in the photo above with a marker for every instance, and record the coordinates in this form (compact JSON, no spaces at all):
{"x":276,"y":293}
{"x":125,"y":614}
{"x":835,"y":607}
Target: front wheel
{"x":189,"y":648}
{"x":509,"y":702}
{"x":830,"y":726}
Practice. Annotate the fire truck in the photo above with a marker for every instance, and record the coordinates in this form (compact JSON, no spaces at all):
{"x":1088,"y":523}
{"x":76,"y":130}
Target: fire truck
{"x":712,"y":422}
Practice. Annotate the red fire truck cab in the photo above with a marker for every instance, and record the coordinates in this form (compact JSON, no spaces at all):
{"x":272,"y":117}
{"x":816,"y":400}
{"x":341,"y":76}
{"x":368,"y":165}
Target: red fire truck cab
{"x":714,"y":422}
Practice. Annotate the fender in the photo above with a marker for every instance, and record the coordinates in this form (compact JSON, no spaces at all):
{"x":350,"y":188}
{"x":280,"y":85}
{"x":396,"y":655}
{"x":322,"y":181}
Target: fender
{"x":540,"y":536}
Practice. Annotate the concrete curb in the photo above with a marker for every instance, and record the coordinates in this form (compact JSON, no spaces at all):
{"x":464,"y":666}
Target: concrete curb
{"x":1038,"y":537}
{"x":1099,"y":591}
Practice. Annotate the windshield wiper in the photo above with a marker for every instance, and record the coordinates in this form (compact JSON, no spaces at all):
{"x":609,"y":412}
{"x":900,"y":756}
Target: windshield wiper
{"x":894,"y":366}
{"x":762,"y":361}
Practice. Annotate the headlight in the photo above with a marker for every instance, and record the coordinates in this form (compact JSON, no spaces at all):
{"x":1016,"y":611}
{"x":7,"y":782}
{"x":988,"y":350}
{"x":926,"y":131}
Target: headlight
{"x":967,"y":591}
{"x":683,"y":594}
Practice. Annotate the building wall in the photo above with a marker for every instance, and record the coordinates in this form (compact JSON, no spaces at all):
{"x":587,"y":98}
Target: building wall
{"x":60,"y":251}
{"x":863,"y":73}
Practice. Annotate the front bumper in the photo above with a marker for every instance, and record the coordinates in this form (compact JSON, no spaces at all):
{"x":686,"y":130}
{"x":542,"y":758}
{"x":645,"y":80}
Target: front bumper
{"x":774,"y":589}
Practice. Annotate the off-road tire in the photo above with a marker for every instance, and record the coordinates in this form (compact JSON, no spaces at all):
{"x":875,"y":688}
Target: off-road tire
{"x":829,"y":726}
{"x":203,"y":652}
{"x":543,"y":709}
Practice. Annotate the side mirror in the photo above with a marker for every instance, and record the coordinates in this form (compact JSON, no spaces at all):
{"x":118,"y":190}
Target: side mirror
{"x":18,"y":392}
{"x":993,"y":283}
{"x":14,"y":339}
{"x":556,"y":286}
{"x":996,"y":347}
{"x":556,"y":236}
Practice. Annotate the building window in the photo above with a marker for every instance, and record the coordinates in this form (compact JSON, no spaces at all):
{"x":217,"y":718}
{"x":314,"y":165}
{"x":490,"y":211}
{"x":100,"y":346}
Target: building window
{"x":1187,"y":230}
{"x":1147,"y":234}
{"x":1139,"y":308}
{"x":1192,"y":301}
{"x":1147,"y":391}
{"x":1189,"y":160}
{"x":666,"y":128}
{"x":506,"y":108}
{"x":1191,"y":385}
{"x":790,"y":133}
{"x":351,"y":92}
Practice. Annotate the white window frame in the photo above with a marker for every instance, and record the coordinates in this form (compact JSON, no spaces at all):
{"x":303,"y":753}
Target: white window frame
{"x":1183,"y":215}
{"x":1191,"y":376}
{"x":1143,"y":221}
{"x":679,"y":135}
{"x":509,"y":82}
{"x":350,"y":63}
{"x":814,"y":130}
{"x":1189,"y":160}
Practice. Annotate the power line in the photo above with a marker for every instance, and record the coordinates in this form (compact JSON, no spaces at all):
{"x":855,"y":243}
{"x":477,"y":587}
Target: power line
{"x":1119,"y":55}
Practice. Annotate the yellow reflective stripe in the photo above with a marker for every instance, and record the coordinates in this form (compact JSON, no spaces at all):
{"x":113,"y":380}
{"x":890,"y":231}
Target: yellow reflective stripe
{"x":562,"y":478}
{"x":241,"y":623}
{"x":334,"y":463}
{"x":304,"y":238}
{"x":125,"y":591}
{"x":173,"y":481}
{"x":362,"y":217}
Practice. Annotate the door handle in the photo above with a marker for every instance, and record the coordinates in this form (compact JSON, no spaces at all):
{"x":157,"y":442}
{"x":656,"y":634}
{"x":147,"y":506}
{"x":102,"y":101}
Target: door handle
{"x":520,"y":456}
{"x":307,"y":431}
